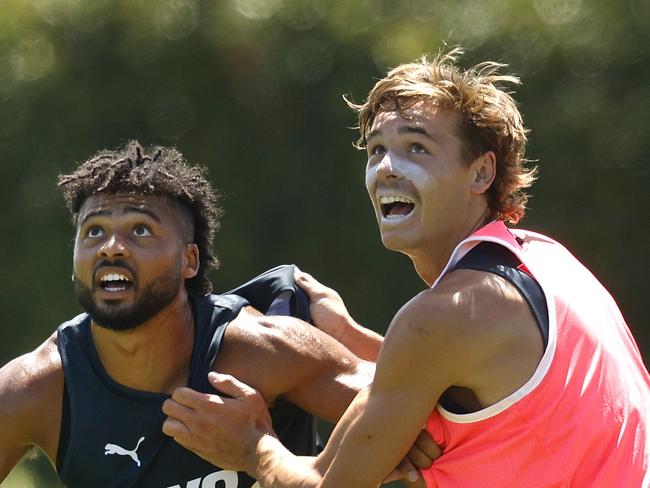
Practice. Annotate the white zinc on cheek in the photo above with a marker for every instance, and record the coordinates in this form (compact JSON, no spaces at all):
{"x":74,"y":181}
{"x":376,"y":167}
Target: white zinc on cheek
{"x":395,"y":166}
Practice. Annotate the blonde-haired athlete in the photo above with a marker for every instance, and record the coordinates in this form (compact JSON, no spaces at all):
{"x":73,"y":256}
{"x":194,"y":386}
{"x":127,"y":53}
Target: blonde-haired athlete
{"x":516,"y":359}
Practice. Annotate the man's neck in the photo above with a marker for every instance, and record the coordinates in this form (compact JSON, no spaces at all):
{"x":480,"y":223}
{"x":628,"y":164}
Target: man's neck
{"x":155,"y":355}
{"x":430,"y":263}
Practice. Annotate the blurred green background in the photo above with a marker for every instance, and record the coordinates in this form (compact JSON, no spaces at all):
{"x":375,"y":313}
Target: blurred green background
{"x":252,"y":89}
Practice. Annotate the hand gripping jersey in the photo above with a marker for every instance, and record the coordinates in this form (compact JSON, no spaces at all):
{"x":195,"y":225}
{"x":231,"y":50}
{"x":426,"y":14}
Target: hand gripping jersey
{"x":582,"y":419}
{"x":112,"y":435}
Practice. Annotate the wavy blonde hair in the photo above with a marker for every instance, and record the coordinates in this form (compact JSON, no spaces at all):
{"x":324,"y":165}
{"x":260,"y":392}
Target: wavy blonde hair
{"x":490,"y":119}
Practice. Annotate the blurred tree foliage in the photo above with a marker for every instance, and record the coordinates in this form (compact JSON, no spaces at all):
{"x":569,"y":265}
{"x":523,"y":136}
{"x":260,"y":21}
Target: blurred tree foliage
{"x":252,"y":89}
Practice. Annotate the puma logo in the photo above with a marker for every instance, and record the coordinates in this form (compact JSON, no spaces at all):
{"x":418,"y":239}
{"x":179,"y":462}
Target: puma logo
{"x":120,"y":451}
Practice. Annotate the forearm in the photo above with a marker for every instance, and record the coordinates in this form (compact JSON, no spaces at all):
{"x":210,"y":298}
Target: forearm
{"x":329,"y":314}
{"x":363,"y":342}
{"x":276,"y":467}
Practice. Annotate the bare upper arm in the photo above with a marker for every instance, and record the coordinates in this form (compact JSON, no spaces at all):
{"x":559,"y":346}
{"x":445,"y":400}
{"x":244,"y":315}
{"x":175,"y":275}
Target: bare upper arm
{"x":461,"y":333}
{"x":283,"y":357}
{"x":383,"y":422}
{"x":31,"y":388}
{"x":502,"y":340}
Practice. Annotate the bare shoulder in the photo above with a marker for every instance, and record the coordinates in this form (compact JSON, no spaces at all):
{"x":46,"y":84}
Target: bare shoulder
{"x":467,"y":303}
{"x":481,"y":318}
{"x":489,"y":307}
{"x":31,"y":388}
{"x":31,"y":379}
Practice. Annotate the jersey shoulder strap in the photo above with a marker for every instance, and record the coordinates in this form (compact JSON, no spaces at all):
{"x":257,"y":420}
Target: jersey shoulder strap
{"x":497,"y":259}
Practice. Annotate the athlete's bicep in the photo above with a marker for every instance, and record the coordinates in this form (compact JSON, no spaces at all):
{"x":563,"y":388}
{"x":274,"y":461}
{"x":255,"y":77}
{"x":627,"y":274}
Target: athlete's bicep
{"x":31,"y":388}
{"x":15,"y":430}
{"x":286,"y":358}
{"x":381,"y":426}
{"x":332,"y":375}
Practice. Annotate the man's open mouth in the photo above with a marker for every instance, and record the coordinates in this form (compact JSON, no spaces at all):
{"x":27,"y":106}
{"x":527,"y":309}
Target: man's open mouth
{"x":115,"y":282}
{"x":395,"y":206}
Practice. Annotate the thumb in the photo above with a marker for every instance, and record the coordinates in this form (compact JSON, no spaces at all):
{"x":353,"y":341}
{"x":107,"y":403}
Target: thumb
{"x":307,"y":282}
{"x":406,"y":470}
{"x":230,"y":385}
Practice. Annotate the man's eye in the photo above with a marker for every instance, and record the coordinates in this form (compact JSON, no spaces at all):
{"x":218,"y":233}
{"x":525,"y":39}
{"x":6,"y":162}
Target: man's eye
{"x":141,"y":231}
{"x":378,"y":149}
{"x":94,"y":232}
{"x":418,"y":149}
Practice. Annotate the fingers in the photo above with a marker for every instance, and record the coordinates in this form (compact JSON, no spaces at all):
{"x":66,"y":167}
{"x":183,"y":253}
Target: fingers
{"x":393,"y":476}
{"x":230,"y":385}
{"x":306,"y":281}
{"x":188,"y":397}
{"x":419,"y":483}
{"x":223,"y":431}
{"x":314,"y":288}
{"x":175,"y":428}
{"x":179,"y":416}
{"x":419,"y":458}
{"x":405,"y":471}
{"x":424,"y":451}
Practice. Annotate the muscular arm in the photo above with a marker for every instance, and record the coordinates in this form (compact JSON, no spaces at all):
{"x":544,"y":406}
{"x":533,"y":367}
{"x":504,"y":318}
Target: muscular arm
{"x":500,"y":347}
{"x":285,"y":358}
{"x":369,"y":441}
{"x":14,"y":435}
{"x":30,"y":405}
{"x":382,"y":423}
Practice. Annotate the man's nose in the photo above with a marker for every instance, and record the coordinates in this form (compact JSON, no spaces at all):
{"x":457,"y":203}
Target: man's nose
{"x":113,"y":247}
{"x":388,"y":167}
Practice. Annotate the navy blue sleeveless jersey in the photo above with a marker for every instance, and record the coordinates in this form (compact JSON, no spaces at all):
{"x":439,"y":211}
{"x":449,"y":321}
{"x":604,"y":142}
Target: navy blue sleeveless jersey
{"x":112,"y":435}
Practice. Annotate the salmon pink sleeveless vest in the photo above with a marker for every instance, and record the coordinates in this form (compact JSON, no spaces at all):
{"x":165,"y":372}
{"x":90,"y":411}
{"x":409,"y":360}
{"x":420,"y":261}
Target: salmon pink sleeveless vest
{"x":582,"y":419}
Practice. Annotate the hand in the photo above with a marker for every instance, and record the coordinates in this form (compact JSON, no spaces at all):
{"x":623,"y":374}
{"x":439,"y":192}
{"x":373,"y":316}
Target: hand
{"x":223,"y":431}
{"x":326,"y":306}
{"x":423,"y":452}
{"x":330,"y":315}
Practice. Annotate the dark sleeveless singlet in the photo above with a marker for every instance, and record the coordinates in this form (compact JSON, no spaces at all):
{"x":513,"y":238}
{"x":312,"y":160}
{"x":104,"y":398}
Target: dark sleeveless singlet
{"x":111,"y":435}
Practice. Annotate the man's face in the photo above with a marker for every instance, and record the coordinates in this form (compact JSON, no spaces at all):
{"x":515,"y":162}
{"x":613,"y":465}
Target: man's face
{"x":417,"y":179}
{"x":128,"y":258}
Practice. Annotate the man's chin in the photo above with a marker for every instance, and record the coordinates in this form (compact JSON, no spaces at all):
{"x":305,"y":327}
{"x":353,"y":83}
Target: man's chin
{"x":122,"y":314}
{"x":122,"y":317}
{"x":394,"y":241}
{"x":117,"y":322}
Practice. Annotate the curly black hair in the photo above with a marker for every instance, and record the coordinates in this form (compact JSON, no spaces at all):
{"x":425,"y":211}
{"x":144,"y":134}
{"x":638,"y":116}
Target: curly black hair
{"x":156,"y":170}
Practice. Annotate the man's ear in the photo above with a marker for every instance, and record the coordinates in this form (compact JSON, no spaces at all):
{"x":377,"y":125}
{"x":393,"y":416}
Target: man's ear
{"x":484,"y":170}
{"x":192,"y":262}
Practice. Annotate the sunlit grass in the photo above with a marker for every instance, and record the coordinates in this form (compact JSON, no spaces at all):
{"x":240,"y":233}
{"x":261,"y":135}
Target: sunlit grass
{"x":34,"y":471}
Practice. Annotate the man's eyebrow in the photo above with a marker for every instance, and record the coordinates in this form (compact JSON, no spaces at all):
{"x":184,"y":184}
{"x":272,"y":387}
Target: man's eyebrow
{"x":144,"y":210}
{"x":94,"y":213}
{"x":411,"y":129}
{"x":373,"y":133}
{"x":127,"y":210}
{"x":416,"y":129}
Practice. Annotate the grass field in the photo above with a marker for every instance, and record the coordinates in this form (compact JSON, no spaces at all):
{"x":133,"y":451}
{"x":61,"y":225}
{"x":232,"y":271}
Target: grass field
{"x":34,"y":471}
